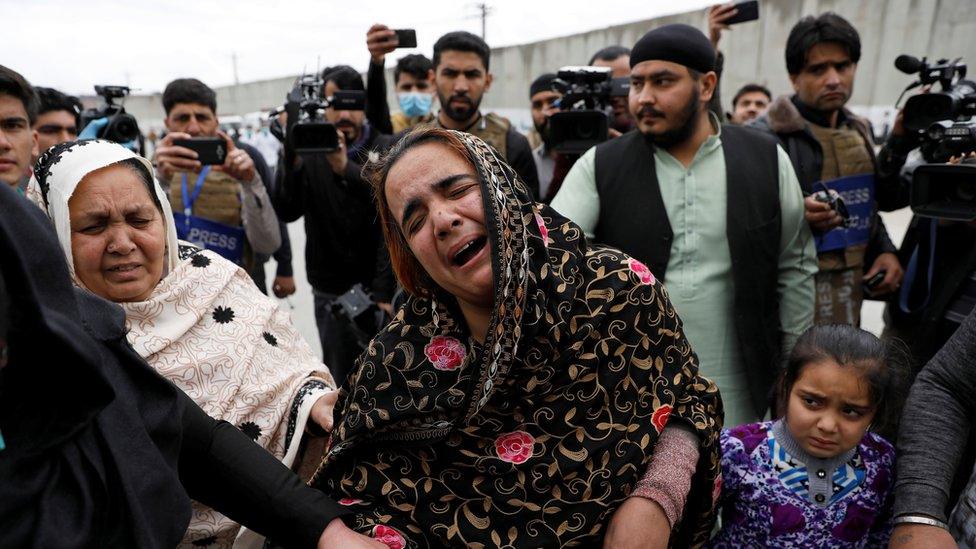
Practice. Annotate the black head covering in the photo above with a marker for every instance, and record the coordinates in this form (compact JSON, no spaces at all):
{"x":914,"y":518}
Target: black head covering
{"x":432,"y":404}
{"x":91,"y":445}
{"x":677,"y":43}
{"x":542,"y":83}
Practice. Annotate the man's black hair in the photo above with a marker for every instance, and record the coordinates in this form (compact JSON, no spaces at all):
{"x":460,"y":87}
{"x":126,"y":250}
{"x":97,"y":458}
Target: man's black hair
{"x":16,"y":86}
{"x":609,"y":53}
{"x":415,"y":64}
{"x":749,"y":88}
{"x":810,"y":31}
{"x":188,"y":90}
{"x":344,"y":76}
{"x":461,"y":41}
{"x":50,"y":100}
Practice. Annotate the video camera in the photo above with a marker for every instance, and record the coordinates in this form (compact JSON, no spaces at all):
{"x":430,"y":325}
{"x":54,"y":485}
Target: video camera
{"x":308,"y":130}
{"x":585,"y":107}
{"x":946,"y":125}
{"x":121,"y":127}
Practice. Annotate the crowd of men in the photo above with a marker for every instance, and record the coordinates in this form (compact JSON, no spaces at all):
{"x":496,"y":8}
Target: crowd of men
{"x":730,"y":205}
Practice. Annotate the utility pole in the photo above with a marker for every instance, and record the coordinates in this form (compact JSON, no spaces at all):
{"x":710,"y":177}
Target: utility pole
{"x":233,"y":60}
{"x":485,"y":10}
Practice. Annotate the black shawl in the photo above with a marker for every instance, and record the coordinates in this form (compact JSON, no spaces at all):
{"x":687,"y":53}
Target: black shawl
{"x":91,"y":448}
{"x":537,"y":436}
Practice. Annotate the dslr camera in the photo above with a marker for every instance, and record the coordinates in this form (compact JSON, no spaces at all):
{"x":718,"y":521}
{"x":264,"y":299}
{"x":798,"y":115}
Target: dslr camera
{"x":308,"y":130}
{"x":121,"y":126}
{"x":945,"y":123}
{"x":585,"y":107}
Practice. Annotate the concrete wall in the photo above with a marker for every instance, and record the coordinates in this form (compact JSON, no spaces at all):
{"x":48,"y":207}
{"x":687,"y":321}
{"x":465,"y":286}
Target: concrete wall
{"x":754,"y":53}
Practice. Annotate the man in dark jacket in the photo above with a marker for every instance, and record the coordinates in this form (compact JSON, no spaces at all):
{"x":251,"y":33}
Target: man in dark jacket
{"x":832,"y":151}
{"x":344,"y":245}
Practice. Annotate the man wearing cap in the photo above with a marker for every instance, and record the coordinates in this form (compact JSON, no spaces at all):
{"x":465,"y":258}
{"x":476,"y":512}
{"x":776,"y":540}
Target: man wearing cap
{"x":712,"y":209}
{"x":542,"y":99}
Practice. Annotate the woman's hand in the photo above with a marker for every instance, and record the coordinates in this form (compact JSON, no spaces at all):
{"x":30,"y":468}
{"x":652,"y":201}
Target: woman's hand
{"x":338,"y":535}
{"x":321,"y":412}
{"x":639,"y":523}
{"x":920,"y":536}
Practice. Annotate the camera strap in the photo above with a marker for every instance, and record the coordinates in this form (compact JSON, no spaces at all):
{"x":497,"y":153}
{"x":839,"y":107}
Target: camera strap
{"x":188,"y":200}
{"x":916,"y":289}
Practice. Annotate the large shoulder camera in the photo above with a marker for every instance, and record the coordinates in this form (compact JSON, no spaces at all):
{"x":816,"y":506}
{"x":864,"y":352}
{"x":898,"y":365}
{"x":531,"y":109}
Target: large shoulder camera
{"x":307,"y":129}
{"x":945,"y":123}
{"x":585,"y":106}
{"x":121,"y":126}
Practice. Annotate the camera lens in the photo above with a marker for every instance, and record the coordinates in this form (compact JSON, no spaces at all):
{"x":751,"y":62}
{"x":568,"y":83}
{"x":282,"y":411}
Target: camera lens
{"x":122,"y":128}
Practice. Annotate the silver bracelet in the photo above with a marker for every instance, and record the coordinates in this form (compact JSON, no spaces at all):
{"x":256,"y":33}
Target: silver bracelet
{"x":919,"y":519}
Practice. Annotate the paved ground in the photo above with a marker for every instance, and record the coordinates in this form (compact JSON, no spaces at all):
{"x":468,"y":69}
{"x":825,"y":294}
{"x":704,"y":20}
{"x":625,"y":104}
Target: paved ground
{"x":301,"y":303}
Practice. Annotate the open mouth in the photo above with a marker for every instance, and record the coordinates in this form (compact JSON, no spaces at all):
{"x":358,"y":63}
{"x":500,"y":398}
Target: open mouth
{"x":124,"y":268}
{"x":469,"y":250}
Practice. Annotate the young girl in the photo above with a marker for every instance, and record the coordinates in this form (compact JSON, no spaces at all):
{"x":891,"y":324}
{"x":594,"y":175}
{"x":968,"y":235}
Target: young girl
{"x":816,"y":477}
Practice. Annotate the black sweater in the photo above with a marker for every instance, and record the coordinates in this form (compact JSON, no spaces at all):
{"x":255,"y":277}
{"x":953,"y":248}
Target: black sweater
{"x":101,"y":451}
{"x":344,"y":243}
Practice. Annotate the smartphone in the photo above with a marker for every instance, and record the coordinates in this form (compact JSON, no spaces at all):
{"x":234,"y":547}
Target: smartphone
{"x":745,"y":11}
{"x":872,"y":283}
{"x":406,"y":38}
{"x":210,"y":150}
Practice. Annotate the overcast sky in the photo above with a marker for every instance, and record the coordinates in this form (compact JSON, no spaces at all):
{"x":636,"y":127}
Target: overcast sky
{"x":72,"y":44}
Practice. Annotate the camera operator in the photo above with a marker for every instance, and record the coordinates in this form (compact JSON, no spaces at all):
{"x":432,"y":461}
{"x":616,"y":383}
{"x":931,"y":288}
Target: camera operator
{"x":617,"y":58}
{"x":228,"y":195}
{"x":461,"y":62}
{"x":940,"y":289}
{"x":18,"y":143}
{"x":57,"y":118}
{"x":829,"y":146}
{"x":749,"y":103}
{"x":738,"y":264}
{"x":344,"y":245}
{"x":413,"y":78}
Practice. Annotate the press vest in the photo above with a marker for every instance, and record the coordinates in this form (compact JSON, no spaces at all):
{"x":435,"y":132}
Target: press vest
{"x":219,"y":200}
{"x":634,"y":219}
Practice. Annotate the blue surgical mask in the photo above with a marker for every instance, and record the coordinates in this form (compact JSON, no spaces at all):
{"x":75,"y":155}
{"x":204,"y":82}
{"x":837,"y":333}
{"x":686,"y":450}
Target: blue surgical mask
{"x":415,"y":103}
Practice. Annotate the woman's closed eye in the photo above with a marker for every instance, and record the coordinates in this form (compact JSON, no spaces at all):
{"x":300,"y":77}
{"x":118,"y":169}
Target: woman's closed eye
{"x":460,"y":190}
{"x":93,"y":228}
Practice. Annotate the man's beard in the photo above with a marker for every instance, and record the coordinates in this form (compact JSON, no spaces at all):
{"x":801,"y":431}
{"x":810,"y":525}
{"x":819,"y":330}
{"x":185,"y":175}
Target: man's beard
{"x":544,"y":133}
{"x":687,"y":118}
{"x":350,"y":131}
{"x":462,"y":114}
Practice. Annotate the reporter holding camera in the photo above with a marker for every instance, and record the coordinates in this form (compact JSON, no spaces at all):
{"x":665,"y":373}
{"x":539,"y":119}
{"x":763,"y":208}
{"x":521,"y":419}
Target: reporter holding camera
{"x":231,"y":198}
{"x":344,"y":245}
{"x":833,"y":154}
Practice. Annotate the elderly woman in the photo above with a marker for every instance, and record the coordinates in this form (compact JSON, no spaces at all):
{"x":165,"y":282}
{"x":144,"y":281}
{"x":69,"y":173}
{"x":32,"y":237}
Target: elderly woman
{"x":529,"y":385}
{"x":194,"y":316}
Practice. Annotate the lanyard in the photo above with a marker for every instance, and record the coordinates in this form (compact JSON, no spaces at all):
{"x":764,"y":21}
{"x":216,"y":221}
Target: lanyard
{"x":189,"y":200}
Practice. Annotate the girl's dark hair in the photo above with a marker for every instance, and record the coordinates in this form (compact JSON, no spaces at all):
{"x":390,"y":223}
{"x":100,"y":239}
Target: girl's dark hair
{"x":885,"y":365}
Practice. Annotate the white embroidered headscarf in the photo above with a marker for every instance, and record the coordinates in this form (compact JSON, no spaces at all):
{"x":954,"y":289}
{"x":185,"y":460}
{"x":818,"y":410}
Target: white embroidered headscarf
{"x":62,"y":167}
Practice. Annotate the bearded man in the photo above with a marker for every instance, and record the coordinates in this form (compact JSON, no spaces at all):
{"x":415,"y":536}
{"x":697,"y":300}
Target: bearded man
{"x":461,"y":75}
{"x":712,"y":209}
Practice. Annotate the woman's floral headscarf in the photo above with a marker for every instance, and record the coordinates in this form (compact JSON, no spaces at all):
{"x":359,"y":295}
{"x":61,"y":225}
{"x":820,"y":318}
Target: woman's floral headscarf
{"x":535,"y":437}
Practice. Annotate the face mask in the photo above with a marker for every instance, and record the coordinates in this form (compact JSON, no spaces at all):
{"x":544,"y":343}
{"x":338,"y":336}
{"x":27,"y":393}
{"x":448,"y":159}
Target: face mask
{"x":415,"y":103}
